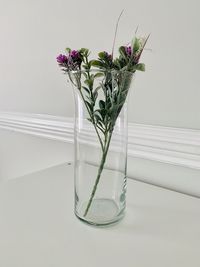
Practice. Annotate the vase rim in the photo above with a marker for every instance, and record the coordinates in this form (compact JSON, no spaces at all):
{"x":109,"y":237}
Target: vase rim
{"x":102,"y":70}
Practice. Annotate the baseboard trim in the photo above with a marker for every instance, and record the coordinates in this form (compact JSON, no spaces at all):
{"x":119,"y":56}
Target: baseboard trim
{"x":177,"y":146}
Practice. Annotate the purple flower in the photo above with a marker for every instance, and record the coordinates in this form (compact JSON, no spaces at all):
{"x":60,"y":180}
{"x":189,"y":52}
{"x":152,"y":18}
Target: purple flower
{"x":71,"y":61}
{"x":128,"y":50}
{"x":61,"y":59}
{"x":74,"y":54}
{"x":109,"y":56}
{"x":74,"y":59}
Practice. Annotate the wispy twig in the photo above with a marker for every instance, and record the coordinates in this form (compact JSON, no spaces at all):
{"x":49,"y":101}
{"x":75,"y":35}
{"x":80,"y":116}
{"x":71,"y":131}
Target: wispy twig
{"x":136,"y":30}
{"x":115,"y":35}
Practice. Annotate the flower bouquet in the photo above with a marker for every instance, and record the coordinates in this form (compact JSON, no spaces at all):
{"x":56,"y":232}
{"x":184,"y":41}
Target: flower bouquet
{"x":101,"y":87}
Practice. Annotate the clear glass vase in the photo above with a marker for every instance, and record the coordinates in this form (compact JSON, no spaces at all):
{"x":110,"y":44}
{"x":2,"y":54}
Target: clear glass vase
{"x":100,"y":138}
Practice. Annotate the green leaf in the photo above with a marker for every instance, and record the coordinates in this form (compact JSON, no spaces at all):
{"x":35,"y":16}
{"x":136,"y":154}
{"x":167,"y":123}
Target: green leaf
{"x":95,"y":93}
{"x":84,"y":51}
{"x":98,"y":114}
{"x":98,"y":74}
{"x":140,"y":67}
{"x":101,"y":104}
{"x":86,"y":89}
{"x":68,"y":50}
{"x":117,"y":63}
{"x":102,"y":55}
{"x":97,"y":63}
{"x":86,"y":67}
{"x":123,"y":52}
{"x":135,"y":44}
{"x":97,"y":117}
{"x":100,"y":123}
{"x":90,"y":106}
{"x":89,"y":82}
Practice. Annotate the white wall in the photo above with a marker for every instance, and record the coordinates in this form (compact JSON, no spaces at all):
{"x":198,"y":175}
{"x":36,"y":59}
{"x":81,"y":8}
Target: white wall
{"x":34,"y":32}
{"x":21,"y":154}
{"x":164,"y":156}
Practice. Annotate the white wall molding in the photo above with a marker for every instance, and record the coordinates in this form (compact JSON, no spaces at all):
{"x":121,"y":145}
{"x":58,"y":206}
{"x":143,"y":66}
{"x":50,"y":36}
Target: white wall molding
{"x":169,"y":145}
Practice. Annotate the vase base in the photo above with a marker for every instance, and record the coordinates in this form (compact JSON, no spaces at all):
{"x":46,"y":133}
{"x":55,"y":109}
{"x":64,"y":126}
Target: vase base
{"x":102,"y":212}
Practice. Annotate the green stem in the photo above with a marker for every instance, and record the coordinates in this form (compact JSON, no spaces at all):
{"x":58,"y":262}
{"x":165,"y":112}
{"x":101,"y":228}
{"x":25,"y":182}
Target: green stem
{"x":101,"y":166}
{"x":99,"y":137}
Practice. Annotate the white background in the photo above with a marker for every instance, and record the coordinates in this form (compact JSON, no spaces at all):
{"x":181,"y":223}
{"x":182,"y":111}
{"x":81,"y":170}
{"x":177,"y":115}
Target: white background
{"x":164,"y":224}
{"x":34,"y":32}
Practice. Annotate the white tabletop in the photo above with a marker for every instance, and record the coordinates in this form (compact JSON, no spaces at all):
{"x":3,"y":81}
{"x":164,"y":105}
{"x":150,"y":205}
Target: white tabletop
{"x":38,"y":227}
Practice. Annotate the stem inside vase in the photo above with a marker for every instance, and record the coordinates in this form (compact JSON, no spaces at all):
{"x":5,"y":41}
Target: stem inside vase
{"x":101,"y":166}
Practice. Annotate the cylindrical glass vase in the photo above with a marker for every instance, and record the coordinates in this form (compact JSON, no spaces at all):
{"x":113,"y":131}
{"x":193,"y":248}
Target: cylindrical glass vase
{"x":100,"y":138}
